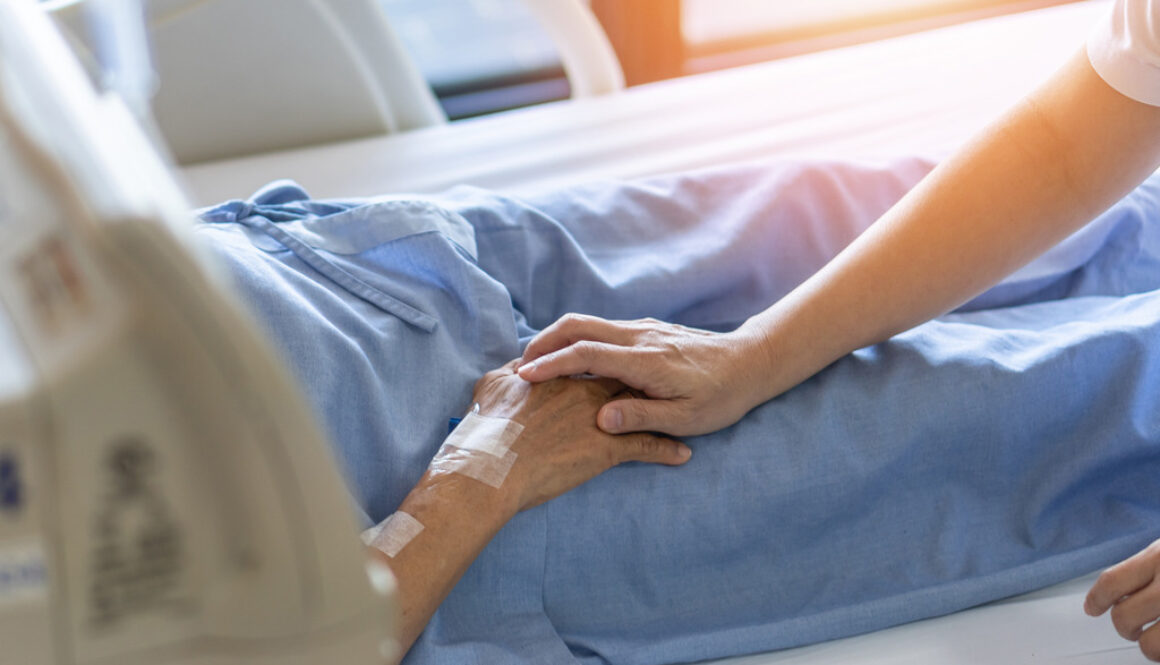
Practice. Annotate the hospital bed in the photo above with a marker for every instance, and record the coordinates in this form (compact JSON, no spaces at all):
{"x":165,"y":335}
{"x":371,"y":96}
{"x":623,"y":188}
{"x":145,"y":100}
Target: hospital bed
{"x":922,"y":94}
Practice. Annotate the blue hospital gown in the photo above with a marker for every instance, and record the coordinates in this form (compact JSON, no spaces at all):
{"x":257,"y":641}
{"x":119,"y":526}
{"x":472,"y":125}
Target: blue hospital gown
{"x":1000,"y":448}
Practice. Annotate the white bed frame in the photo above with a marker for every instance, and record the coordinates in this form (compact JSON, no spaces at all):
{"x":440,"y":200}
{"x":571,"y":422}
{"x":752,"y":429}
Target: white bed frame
{"x":922,"y":94}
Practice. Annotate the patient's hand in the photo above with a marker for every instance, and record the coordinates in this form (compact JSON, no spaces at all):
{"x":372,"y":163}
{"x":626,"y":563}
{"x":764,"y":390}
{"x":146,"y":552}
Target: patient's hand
{"x":558,"y":449}
{"x":1131,"y":589}
{"x":560,"y":446}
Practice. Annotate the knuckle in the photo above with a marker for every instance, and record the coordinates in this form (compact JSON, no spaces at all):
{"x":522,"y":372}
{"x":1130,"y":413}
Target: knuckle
{"x":486,"y":380}
{"x":634,"y":413}
{"x":652,"y":338}
{"x":611,"y":455}
{"x":542,"y":342}
{"x":1122,"y":623}
{"x":647,"y":445}
{"x":1108,"y":579}
{"x":1150,"y":645}
{"x":585,"y":350}
{"x":572,"y":319}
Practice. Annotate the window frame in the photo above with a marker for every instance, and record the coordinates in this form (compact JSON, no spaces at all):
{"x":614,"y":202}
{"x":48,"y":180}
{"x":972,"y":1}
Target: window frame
{"x":651,"y":44}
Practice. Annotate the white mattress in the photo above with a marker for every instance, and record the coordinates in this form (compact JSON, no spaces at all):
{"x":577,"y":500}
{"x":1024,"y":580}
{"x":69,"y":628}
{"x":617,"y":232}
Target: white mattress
{"x":1047,"y":626}
{"x":921,"y":94}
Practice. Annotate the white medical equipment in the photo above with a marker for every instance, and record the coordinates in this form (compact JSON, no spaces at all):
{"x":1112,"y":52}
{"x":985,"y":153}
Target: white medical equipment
{"x":165,"y":495}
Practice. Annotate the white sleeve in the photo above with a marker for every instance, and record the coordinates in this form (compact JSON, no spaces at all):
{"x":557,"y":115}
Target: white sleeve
{"x":1125,"y":49}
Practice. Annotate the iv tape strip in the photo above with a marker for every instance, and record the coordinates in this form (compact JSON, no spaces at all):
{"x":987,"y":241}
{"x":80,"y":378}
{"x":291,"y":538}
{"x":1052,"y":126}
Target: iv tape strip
{"x":493,"y":436}
{"x":487,"y":469}
{"x":479,"y":448}
{"x":392,"y":534}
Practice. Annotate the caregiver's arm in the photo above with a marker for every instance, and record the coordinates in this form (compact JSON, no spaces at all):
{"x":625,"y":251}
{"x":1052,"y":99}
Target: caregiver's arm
{"x":1055,"y":161}
{"x":558,"y":449}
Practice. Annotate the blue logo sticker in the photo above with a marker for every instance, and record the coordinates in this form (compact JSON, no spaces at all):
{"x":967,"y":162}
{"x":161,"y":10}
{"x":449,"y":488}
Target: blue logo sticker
{"x":23,"y":573}
{"x":11,"y":491}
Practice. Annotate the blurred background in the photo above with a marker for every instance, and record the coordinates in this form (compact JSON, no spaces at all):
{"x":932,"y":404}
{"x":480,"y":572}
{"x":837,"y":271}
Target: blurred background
{"x":501,"y":59}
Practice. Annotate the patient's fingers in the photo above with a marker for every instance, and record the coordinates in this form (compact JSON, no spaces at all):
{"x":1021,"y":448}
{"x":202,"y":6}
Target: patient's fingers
{"x":1150,"y":643}
{"x":1131,"y":614}
{"x":572,"y":328}
{"x":585,"y":357}
{"x":1122,"y":579}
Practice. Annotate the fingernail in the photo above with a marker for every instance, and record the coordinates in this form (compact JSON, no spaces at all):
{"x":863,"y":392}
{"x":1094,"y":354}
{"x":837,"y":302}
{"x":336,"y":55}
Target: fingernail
{"x":527,"y":368}
{"x":684,"y":453}
{"x":613,"y":419}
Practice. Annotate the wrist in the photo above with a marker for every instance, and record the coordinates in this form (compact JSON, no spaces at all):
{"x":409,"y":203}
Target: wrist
{"x":767,"y":361}
{"x":452,"y":498}
{"x":751,"y":361}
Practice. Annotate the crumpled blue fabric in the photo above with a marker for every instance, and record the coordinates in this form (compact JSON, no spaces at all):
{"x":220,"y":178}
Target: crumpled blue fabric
{"x":1003,"y":447}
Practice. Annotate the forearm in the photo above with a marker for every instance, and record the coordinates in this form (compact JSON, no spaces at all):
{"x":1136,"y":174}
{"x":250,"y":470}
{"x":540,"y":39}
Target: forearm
{"x":1050,"y":165}
{"x":557,"y":447}
{"x":460,"y":516}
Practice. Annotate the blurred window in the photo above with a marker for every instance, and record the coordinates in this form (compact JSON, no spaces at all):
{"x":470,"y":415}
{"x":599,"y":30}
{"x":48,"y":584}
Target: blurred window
{"x":480,"y":56}
{"x":716,"y":21}
{"x":723,"y":33}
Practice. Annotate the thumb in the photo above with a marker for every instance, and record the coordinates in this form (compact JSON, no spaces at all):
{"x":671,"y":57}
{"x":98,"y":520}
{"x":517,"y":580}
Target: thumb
{"x":654,"y":449}
{"x":638,"y":415}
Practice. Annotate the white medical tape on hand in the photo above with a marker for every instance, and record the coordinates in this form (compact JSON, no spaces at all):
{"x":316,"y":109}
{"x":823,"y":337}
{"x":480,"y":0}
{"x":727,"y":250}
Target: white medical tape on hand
{"x":392,"y":534}
{"x":493,"y":436}
{"x":487,"y":469}
{"x":479,"y":448}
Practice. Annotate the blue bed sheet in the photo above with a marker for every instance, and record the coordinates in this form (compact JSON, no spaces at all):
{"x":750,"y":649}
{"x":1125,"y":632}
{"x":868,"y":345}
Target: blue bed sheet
{"x":1006,"y":446}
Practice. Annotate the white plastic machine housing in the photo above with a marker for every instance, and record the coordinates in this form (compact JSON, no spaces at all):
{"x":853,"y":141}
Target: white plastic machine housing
{"x":166,"y":496}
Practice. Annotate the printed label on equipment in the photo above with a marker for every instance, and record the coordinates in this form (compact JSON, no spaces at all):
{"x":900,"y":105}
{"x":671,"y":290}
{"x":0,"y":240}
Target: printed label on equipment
{"x":11,"y":487}
{"x":23,"y":573}
{"x":54,"y":291}
{"x":137,"y":561}
{"x":60,"y":303}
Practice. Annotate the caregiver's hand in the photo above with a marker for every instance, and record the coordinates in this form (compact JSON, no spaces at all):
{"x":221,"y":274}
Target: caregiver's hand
{"x":697,"y":381}
{"x":1131,"y":589}
{"x":560,"y":446}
